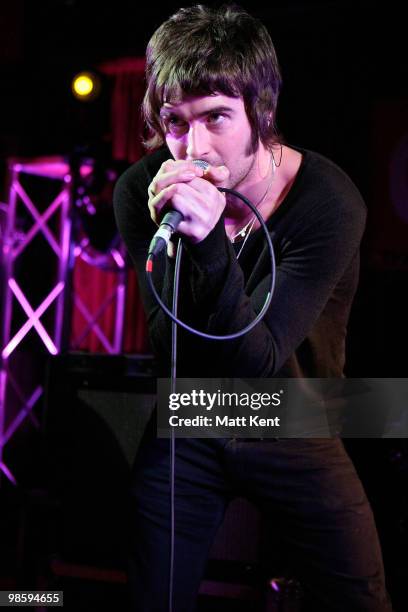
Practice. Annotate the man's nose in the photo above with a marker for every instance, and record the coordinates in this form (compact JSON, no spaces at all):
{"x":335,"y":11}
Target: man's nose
{"x":197,"y":141}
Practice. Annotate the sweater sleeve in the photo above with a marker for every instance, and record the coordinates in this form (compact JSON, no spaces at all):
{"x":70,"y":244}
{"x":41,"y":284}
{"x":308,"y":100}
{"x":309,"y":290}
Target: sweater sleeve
{"x":136,"y":229}
{"x":309,"y":267}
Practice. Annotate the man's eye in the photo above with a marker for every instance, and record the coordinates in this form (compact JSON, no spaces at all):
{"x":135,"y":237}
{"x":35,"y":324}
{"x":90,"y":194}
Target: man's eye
{"x":174,"y":124}
{"x":215,"y":118}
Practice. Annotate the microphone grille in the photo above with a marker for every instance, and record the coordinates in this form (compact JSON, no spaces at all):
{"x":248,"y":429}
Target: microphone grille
{"x":201,"y":164}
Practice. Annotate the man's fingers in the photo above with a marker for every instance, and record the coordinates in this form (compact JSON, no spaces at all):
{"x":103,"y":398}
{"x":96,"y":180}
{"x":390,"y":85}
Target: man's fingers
{"x":180,"y":175}
{"x":156,"y":203}
{"x":217,"y":175}
{"x":184,"y":172}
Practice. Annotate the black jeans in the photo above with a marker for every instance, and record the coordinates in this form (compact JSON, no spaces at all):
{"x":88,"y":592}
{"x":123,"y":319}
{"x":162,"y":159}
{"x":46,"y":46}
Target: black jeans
{"x":307,"y":488}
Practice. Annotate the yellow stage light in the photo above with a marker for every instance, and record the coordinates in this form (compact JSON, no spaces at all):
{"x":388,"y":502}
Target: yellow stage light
{"x":85,"y":86}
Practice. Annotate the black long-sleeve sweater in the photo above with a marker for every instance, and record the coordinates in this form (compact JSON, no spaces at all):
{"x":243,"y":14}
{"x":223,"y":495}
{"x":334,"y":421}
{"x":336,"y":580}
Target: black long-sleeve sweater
{"x":316,"y":233}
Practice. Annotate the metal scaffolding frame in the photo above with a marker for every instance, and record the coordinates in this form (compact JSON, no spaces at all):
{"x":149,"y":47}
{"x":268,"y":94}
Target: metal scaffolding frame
{"x":114,"y":261}
{"x":15,"y":242}
{"x":61,"y":243}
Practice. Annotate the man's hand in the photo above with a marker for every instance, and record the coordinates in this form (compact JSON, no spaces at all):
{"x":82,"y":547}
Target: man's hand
{"x":193,"y":192}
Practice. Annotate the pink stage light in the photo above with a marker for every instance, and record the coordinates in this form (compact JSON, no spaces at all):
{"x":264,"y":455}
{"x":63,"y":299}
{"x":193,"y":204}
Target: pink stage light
{"x":6,"y":471}
{"x":28,"y":406}
{"x":40,"y":220}
{"x":120,"y":262}
{"x":33,"y":319}
{"x":92,"y":324}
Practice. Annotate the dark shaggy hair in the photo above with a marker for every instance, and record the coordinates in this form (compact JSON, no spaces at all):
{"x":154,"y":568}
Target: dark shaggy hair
{"x":202,"y":51}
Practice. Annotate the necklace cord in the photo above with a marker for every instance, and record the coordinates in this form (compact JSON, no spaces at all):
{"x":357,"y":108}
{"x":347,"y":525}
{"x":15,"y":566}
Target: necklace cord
{"x":244,"y":231}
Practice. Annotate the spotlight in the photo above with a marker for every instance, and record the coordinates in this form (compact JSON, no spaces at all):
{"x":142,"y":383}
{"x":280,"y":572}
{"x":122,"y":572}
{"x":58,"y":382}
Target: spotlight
{"x":85,"y":86}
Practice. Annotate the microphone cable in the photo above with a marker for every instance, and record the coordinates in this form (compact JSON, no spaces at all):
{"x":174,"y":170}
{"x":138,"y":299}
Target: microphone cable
{"x":175,"y":322}
{"x":173,"y":376}
{"x":260,"y":315}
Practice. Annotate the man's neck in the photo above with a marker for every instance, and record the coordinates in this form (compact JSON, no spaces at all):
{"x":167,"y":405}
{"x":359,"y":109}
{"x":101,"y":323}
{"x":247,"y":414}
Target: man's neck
{"x":287,"y":165}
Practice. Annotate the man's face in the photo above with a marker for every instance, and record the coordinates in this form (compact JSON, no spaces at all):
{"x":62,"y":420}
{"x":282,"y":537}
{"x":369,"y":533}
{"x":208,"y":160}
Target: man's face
{"x":213,"y":128}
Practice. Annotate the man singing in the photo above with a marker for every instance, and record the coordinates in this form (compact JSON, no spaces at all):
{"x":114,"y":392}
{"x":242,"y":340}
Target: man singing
{"x":213,"y":83}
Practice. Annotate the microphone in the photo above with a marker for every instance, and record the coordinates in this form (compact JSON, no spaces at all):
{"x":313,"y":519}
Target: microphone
{"x":170,"y":222}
